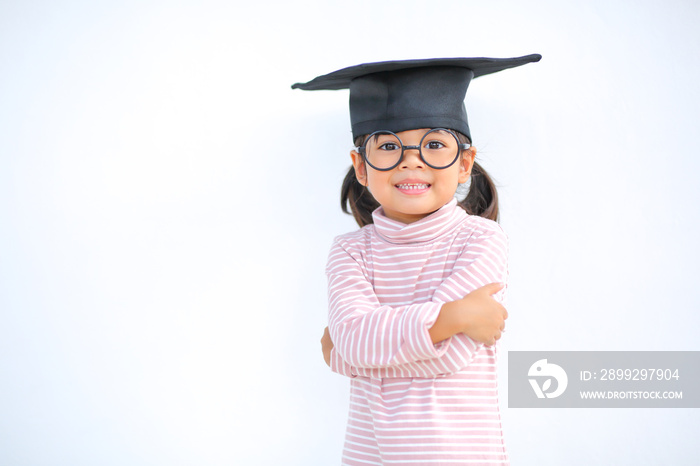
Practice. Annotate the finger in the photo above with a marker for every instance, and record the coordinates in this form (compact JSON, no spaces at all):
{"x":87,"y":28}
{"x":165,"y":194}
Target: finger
{"x":492,"y":288}
{"x":505,"y":314}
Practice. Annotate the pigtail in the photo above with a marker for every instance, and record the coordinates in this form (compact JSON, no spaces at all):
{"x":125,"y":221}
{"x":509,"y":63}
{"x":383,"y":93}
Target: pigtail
{"x":356,"y":199}
{"x":482,"y":198}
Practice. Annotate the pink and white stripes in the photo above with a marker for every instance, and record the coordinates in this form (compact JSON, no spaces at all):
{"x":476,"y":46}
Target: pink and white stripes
{"x":413,"y":402}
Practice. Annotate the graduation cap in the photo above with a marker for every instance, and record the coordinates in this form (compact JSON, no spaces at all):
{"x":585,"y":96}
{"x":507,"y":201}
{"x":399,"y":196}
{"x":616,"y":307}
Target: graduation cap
{"x":410,"y":94}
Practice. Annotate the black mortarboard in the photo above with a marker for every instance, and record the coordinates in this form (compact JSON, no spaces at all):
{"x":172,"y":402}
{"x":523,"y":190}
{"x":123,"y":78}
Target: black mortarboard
{"x":411,"y":94}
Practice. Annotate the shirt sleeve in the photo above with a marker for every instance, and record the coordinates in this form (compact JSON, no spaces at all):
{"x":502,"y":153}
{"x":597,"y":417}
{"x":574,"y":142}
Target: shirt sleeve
{"x":375,"y":340}
{"x":367,"y":334}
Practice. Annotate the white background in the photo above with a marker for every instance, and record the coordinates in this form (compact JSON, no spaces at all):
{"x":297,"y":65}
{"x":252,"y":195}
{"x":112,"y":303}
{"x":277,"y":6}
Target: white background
{"x":167,"y":203}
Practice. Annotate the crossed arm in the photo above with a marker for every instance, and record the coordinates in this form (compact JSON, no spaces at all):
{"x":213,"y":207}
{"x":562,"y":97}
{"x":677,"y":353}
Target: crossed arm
{"x":419,"y":340}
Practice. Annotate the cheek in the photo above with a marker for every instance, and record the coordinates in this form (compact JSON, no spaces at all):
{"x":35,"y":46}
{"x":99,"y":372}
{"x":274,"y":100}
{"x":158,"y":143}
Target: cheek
{"x":455,"y":175}
{"x":374,"y":180}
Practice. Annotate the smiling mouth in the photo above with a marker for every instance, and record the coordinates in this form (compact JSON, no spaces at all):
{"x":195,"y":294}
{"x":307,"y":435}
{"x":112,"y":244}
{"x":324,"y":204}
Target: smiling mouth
{"x":413,"y":186}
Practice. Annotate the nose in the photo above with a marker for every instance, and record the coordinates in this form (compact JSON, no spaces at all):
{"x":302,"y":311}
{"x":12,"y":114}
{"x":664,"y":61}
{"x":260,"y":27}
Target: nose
{"x":411,"y":157}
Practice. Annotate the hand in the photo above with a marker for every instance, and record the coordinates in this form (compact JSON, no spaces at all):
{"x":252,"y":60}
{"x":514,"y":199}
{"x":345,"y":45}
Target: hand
{"x":326,"y":346}
{"x":477,"y":315}
{"x":484,"y":317}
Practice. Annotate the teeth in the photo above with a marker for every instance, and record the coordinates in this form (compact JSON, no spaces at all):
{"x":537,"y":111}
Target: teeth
{"x":413,"y":186}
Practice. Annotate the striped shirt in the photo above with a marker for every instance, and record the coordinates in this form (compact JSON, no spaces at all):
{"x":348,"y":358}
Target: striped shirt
{"x":413,"y":402}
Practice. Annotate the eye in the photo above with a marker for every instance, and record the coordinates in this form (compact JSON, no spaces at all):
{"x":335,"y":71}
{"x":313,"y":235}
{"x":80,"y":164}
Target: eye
{"x":435,"y":145}
{"x":389,"y":146}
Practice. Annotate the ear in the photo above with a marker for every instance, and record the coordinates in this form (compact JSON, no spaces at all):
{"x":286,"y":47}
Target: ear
{"x":465,"y":168}
{"x":360,"y":168}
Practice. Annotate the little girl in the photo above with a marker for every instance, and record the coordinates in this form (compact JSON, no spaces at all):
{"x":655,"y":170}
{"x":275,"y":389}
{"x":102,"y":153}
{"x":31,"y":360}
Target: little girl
{"x":415,"y":294}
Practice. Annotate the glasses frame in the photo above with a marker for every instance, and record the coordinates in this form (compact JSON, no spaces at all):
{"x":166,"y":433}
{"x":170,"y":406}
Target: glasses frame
{"x":460,"y":147}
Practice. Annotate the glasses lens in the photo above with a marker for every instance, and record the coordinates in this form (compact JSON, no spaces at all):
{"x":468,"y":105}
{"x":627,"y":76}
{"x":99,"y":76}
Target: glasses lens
{"x":383,"y":150}
{"x":440,"y":148}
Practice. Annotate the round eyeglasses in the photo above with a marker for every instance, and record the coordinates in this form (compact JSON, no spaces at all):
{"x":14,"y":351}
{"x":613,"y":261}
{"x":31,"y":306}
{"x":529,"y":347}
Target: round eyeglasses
{"x":439,"y":148}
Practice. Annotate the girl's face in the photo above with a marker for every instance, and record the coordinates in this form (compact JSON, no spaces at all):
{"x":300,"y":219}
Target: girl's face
{"x":413,"y":190}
